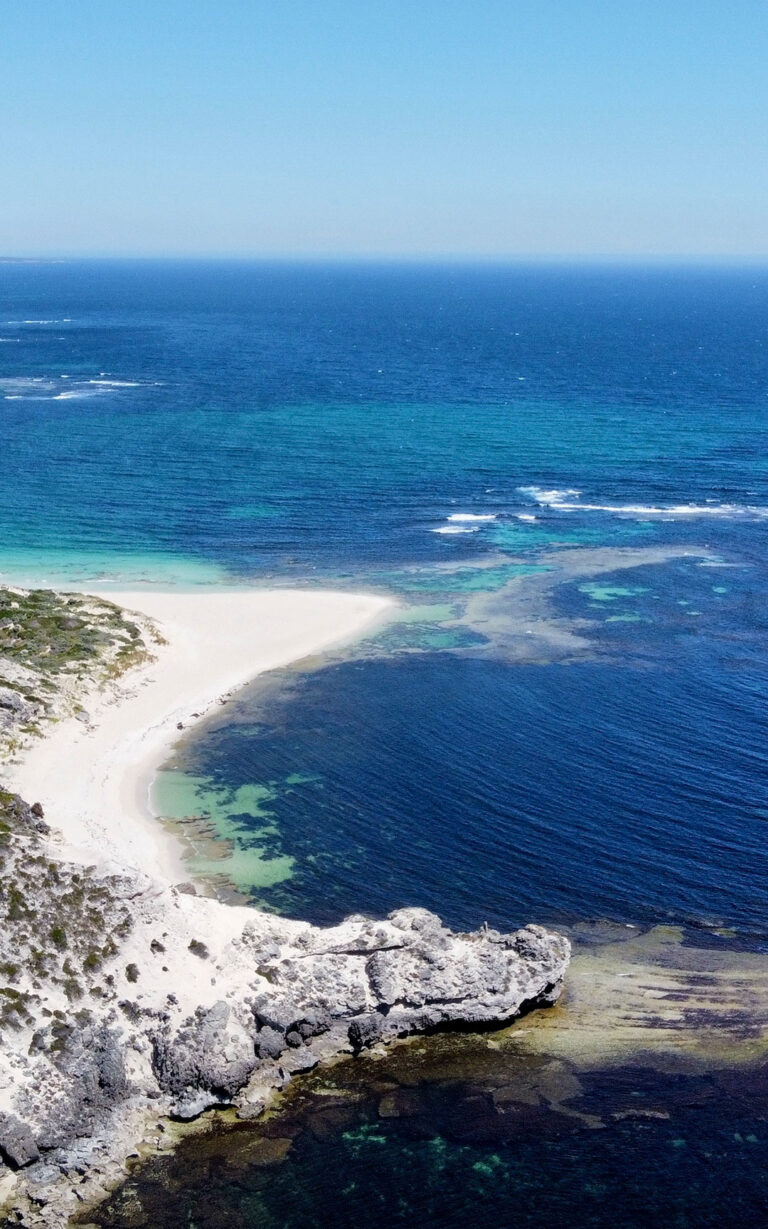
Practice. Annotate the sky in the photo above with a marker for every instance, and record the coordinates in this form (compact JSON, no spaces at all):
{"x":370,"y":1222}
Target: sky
{"x":384,"y":128}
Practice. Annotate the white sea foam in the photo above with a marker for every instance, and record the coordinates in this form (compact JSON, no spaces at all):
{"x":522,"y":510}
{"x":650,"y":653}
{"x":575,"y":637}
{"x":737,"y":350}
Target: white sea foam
{"x":674,"y":510}
{"x":472,"y":516}
{"x":559,"y":501}
{"x":548,"y":499}
{"x":455,"y":529}
{"x":63,"y":387}
{"x":116,"y":383}
{"x":22,"y":381}
{"x":526,"y":516}
{"x":19,"y":386}
{"x":79,"y":393}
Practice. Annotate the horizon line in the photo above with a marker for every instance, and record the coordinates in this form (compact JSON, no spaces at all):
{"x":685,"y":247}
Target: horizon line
{"x":374,"y":258}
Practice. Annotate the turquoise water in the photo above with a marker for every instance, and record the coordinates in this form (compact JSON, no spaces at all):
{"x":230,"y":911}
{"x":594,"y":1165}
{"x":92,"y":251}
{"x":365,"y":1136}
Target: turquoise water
{"x":295,"y":421}
{"x":471,"y":1145}
{"x":561,"y":474}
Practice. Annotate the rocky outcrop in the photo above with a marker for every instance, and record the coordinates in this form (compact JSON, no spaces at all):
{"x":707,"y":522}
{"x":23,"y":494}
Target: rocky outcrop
{"x":124,"y":999}
{"x":327,"y":992}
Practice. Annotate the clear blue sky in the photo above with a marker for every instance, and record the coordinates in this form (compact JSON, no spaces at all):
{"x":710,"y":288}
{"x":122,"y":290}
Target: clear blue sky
{"x":384,"y":127}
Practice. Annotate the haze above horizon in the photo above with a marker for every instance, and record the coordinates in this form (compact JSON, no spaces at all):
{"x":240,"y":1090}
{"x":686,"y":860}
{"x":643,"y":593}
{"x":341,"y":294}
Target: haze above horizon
{"x":496,"y":130}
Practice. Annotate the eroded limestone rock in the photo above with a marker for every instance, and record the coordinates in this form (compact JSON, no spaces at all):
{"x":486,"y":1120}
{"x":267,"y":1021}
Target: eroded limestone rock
{"x":133,"y":998}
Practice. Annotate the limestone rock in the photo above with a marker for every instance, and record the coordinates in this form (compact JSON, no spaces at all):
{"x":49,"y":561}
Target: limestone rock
{"x":17,"y":1143}
{"x":119,"y":1017}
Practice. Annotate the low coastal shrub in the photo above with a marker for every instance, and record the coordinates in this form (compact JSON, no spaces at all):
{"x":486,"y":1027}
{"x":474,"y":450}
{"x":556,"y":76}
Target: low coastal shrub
{"x":53,"y":646}
{"x":58,"y":923}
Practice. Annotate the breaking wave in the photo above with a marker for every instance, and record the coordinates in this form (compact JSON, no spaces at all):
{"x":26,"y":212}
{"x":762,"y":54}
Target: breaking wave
{"x":563,"y":501}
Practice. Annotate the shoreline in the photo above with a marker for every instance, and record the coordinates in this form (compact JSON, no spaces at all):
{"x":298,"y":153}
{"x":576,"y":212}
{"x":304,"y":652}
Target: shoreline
{"x":94,"y":774}
{"x":195,"y":1012}
{"x":134,"y":1000}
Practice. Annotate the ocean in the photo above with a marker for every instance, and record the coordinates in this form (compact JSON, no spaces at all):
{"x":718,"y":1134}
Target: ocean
{"x":560,"y":473}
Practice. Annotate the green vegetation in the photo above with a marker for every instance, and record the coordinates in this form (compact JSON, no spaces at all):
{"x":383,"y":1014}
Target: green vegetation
{"x":14,"y":1008}
{"x":52,"y":632}
{"x":53,"y":646}
{"x":58,"y":924}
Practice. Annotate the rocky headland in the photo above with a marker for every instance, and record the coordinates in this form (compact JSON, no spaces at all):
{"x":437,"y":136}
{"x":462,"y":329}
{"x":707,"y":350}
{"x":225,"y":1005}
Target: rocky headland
{"x":125,"y":999}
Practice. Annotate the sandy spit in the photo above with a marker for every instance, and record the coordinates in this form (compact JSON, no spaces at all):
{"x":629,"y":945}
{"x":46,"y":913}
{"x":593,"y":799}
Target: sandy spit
{"x":93,"y":777}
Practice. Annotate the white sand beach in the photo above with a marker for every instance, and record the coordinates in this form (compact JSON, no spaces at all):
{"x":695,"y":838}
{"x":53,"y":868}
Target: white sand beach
{"x":93,"y":778}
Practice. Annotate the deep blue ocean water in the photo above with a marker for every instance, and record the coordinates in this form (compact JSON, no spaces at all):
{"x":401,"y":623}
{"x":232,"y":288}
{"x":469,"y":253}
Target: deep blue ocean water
{"x":567,"y":720}
{"x":294,"y":419}
{"x":209,"y":423}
